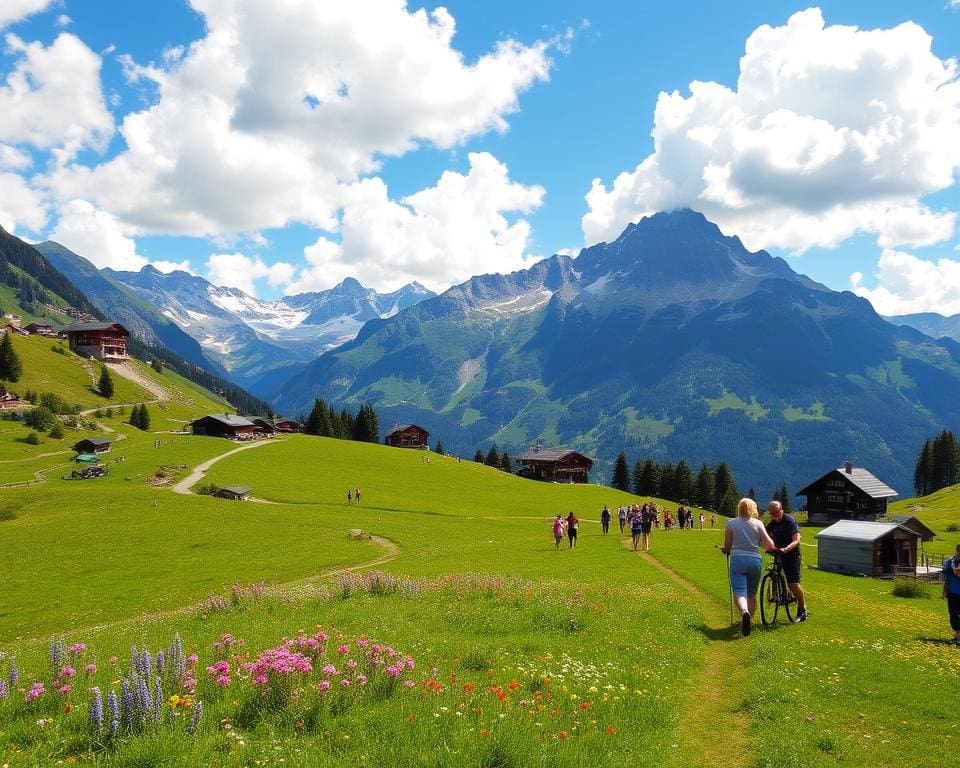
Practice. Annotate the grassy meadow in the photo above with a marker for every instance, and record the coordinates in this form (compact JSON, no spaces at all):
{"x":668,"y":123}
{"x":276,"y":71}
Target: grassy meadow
{"x":449,"y":633}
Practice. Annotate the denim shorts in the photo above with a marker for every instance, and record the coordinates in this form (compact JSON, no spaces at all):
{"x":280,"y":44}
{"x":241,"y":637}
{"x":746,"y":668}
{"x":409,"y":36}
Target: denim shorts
{"x":745,"y":574}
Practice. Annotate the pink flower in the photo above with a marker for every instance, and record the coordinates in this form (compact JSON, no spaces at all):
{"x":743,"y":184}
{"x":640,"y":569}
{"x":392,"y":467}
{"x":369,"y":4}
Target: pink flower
{"x":191,"y":659}
{"x":329,"y":669}
{"x":363,"y":642}
{"x":67,"y":672}
{"x":260,"y":679}
{"x":352,"y":664}
{"x":222,"y":681}
{"x":89,"y":669}
{"x":361,"y":679}
{"x":409,"y":683}
{"x":65,"y":689}
{"x":392,"y":671}
{"x":343,"y":648}
{"x":78,"y":648}
{"x":324,"y":685}
{"x":345,"y":683}
{"x":35,"y":692}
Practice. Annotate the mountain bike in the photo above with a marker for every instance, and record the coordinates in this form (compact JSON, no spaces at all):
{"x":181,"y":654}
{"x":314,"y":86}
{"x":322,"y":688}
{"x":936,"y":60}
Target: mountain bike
{"x":775,"y":594}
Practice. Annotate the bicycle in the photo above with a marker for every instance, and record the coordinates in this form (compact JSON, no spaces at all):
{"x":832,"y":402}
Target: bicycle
{"x":775,"y":594}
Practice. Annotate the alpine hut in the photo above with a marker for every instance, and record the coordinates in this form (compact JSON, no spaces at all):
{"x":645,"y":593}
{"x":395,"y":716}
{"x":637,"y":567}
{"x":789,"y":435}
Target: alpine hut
{"x":558,"y":465}
{"x":104,"y":341}
{"x":859,"y":546}
{"x":847,"y":493}
{"x":408,"y":436}
{"x":227,"y":425}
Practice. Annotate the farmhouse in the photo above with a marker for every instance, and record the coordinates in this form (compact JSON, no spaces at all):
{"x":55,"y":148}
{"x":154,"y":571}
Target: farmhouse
{"x":874,"y":549}
{"x":234,"y":492}
{"x":847,"y":493}
{"x":223,"y":425}
{"x":9,"y":399}
{"x":40,"y":329}
{"x":104,"y":341}
{"x":559,"y":465}
{"x":408,"y":436}
{"x":287,"y":425}
{"x":93,"y":445}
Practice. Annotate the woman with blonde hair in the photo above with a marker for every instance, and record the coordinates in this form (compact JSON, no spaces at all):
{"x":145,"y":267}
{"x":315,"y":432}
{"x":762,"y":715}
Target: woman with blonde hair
{"x":742,"y":539}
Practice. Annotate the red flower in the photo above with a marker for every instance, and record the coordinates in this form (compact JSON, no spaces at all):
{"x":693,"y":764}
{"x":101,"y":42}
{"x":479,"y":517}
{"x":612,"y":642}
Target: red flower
{"x":513,"y":685}
{"x":611,"y":730}
{"x":563,"y":735}
{"x":483,"y":733}
{"x":468,"y":687}
{"x":584,"y":705}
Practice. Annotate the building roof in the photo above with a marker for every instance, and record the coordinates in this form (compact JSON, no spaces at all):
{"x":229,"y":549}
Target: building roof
{"x":862,"y":479}
{"x":860,"y":530}
{"x":94,"y":441}
{"x":230,"y":419}
{"x":86,"y":457}
{"x":550,"y":454}
{"x":914,"y":524}
{"x":239,"y":490}
{"x":404,"y":428}
{"x":94,"y":326}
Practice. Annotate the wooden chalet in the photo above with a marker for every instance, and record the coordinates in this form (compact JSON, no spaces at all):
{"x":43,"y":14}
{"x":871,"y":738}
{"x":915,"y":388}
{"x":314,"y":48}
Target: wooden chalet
{"x":9,"y":399}
{"x":104,"y":341}
{"x":847,"y":493}
{"x":234,"y":492}
{"x":223,"y":425}
{"x":862,"y":547}
{"x":264,"y":426}
{"x":93,"y":445}
{"x":557,"y":465}
{"x":408,"y":436}
{"x":40,"y":329}
{"x":287,"y":425}
{"x":15,"y":329}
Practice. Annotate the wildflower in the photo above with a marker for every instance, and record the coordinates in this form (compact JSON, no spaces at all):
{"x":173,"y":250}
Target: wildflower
{"x":222,"y":681}
{"x":324,"y":686}
{"x":361,"y":679}
{"x":351,"y":663}
{"x":392,"y":671}
{"x":65,"y":689}
{"x":67,"y":672}
{"x":14,"y":676}
{"x":584,"y":705}
{"x":35,"y":692}
{"x":345,"y":683}
{"x":77,"y":648}
{"x":195,"y":718}
{"x":3,"y":689}
{"x":113,"y":661}
{"x":329,"y":669}
{"x":513,"y":685}
{"x":468,"y":687}
{"x":192,"y":659}
{"x":89,"y":669}
{"x":563,"y":735}
{"x":343,"y":649}
{"x":114,"y":709}
{"x":44,"y":720}
{"x":484,"y":733}
{"x":409,"y":683}
{"x":611,"y":730}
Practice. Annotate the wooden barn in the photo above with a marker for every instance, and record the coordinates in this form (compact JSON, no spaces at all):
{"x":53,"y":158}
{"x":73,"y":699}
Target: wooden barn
{"x":9,"y":399}
{"x":557,"y":465}
{"x":287,"y":425}
{"x":234,"y":492}
{"x":223,"y":425}
{"x":862,"y":547}
{"x":408,"y":436}
{"x":40,"y":329}
{"x":847,"y":493}
{"x":104,"y":341}
{"x":93,"y":445}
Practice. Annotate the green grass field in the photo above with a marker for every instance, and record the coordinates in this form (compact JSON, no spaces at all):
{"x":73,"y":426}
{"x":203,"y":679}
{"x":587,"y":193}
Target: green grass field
{"x":522,"y":655}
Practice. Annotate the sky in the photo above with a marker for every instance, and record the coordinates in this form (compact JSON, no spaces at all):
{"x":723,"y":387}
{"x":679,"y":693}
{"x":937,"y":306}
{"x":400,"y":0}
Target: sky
{"x":280,"y":146}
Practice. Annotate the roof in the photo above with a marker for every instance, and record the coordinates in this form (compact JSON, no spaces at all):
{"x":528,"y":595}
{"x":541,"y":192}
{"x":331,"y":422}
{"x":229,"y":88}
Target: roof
{"x":550,"y":454}
{"x":404,"y":428}
{"x":914,"y":524}
{"x":239,"y":490}
{"x":97,"y":326}
{"x":860,"y":530}
{"x":86,"y":457}
{"x":94,"y":441}
{"x":230,"y":419}
{"x":862,"y":479}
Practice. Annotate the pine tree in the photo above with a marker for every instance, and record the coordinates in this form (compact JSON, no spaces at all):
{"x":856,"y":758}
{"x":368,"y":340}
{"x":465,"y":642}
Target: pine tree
{"x":438,"y":448}
{"x":106,"y":382}
{"x":135,"y":416}
{"x":156,"y":365}
{"x":651,"y":479}
{"x":728,"y":504}
{"x":493,"y":458}
{"x":313,"y":423}
{"x":478,"y":456}
{"x":621,"y":473}
{"x":144,"y":418}
{"x":723,"y":482}
{"x":785,"y":499}
{"x":10,"y":366}
{"x":636,"y":479}
{"x":666,"y":489}
{"x":505,"y":464}
{"x":705,"y":490}
{"x":684,"y":486}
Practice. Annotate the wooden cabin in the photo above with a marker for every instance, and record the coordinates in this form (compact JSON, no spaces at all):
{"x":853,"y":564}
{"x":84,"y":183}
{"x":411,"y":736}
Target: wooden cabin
{"x":9,"y":399}
{"x":847,"y":493}
{"x":408,"y":436}
{"x":862,"y":547}
{"x":557,"y":465}
{"x":103,"y":341}
{"x":40,"y":329}
{"x":227,"y":425}
{"x":287,"y":425}
{"x":93,"y":445}
{"x":264,"y":426}
{"x":234,"y":492}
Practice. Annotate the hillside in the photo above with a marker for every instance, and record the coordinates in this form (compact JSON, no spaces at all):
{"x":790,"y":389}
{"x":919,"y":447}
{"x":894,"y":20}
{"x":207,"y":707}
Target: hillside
{"x":672,"y":342}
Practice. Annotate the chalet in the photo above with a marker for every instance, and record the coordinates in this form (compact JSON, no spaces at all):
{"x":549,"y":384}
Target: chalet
{"x":93,"y":445}
{"x":847,"y":493}
{"x":104,"y":341}
{"x":287,"y":425}
{"x":223,"y":425}
{"x":558,"y":465}
{"x":264,"y":426}
{"x":16,"y":329}
{"x":234,"y":492}
{"x":873,"y":549}
{"x":408,"y":436}
{"x":9,"y":399}
{"x":40,"y":329}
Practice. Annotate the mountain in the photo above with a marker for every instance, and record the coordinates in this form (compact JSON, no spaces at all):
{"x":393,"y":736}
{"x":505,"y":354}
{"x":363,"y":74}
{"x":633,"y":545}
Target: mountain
{"x":673,"y":342}
{"x":930,"y":323}
{"x":255,"y":340}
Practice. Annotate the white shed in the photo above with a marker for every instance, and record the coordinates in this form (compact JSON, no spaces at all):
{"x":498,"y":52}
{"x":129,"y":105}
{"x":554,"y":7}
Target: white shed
{"x":858,"y":546}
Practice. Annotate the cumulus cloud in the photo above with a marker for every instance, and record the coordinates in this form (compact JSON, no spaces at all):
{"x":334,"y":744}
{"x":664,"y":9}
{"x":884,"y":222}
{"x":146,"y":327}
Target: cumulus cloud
{"x":259,"y":123}
{"x":236,"y":270}
{"x":908,"y":284}
{"x":438,"y":236}
{"x":52,"y":98}
{"x":97,"y":236}
{"x":20,"y":205}
{"x":12,"y":11}
{"x":831,"y":131}
{"x":13,"y":159}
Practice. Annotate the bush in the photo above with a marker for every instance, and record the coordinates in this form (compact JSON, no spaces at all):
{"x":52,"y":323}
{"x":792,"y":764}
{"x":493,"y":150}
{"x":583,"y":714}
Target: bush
{"x":911,"y":588}
{"x":7,"y":514}
{"x":207,"y":489}
{"x":33,"y":439}
{"x":953,"y":528}
{"x":40,"y":419}
{"x":57,"y":432}
{"x":58,"y":348}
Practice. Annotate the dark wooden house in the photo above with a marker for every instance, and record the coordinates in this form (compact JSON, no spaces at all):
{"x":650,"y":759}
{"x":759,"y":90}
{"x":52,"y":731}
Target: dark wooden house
{"x":93,"y":445}
{"x":104,"y":341}
{"x":40,"y":329}
{"x":847,"y":493}
{"x":263,"y":426}
{"x":234,"y":492}
{"x":408,"y":436}
{"x":862,"y":547}
{"x":287,"y":425}
{"x":223,"y":425}
{"x":558,"y":465}
{"x":9,"y":399}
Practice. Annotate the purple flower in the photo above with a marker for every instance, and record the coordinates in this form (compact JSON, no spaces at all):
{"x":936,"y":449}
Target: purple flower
{"x":56,"y":654}
{"x":329,"y":669}
{"x":67,"y":672}
{"x":345,"y":683}
{"x":157,"y":699}
{"x":195,"y":718}
{"x":96,"y":711}
{"x":77,"y":648}
{"x":126,"y":698}
{"x":222,"y":681}
{"x":392,"y":671}
{"x":161,"y":662}
{"x":89,"y":669}
{"x":324,"y":686}
{"x":14,"y":677}
{"x":35,"y":692}
{"x":114,"y":709}
{"x":3,"y":689}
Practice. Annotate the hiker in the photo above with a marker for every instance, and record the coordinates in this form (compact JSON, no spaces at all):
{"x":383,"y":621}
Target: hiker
{"x":636,"y":527}
{"x":785,"y":532}
{"x":558,"y":526}
{"x":702,"y":519}
{"x":713,"y":520}
{"x":356,"y":495}
{"x":647,"y":516}
{"x":349,"y":496}
{"x":605,"y":520}
{"x":622,"y":517}
{"x":573,"y":523}
{"x":951,"y":591}
{"x":742,"y":539}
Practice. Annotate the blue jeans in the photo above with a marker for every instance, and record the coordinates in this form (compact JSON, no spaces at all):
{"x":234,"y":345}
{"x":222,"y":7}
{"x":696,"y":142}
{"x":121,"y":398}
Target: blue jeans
{"x":745,"y":574}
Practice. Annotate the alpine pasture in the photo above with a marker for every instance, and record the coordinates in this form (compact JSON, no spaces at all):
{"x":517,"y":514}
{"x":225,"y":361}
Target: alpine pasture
{"x":140,"y":626}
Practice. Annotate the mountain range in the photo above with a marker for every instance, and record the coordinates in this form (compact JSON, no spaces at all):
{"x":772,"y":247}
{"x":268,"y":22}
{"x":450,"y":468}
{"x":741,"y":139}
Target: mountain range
{"x":931,"y":323}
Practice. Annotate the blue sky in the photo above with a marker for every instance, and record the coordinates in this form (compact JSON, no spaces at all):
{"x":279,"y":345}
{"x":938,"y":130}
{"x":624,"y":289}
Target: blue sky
{"x":282,"y":152}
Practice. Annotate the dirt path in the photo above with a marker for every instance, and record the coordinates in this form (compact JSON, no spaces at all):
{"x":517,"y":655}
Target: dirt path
{"x":194,"y":477}
{"x":716,"y":696}
{"x":129,"y":372}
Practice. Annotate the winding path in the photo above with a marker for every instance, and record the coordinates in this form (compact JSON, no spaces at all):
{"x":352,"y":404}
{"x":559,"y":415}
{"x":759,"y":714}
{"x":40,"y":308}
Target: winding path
{"x":194,"y":477}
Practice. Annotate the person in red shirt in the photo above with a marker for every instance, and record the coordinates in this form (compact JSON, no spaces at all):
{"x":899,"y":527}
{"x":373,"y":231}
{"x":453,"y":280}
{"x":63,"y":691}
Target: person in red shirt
{"x":573,"y":523}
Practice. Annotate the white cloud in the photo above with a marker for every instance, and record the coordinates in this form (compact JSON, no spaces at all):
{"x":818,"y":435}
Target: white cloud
{"x":908,"y":284}
{"x":260,"y":122}
{"x":64,"y":21}
{"x":831,"y":131}
{"x":52,"y":98}
{"x":20,"y":206}
{"x":12,"y":11}
{"x":236,"y":270}
{"x":438,"y":236}
{"x":97,"y":236}
{"x":173,"y":266}
{"x":13,"y":159}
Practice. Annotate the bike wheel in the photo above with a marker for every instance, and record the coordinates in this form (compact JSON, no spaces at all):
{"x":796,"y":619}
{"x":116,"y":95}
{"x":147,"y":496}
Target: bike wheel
{"x":769,"y":600}
{"x":789,"y":601}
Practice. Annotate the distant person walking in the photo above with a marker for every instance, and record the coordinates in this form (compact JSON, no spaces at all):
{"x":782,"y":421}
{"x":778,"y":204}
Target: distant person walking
{"x":558,"y":525}
{"x":573,"y":523}
{"x":742,"y":540}
{"x":622,"y":517}
{"x":702,"y":519}
{"x":356,"y":495}
{"x":605,"y":520}
{"x":951,"y":591}
{"x":713,"y":520}
{"x":349,"y":495}
{"x":636,"y":528}
{"x":647,"y":516}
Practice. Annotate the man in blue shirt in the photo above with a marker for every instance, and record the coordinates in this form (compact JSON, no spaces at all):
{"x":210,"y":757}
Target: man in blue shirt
{"x":785,"y":532}
{"x":951,"y":591}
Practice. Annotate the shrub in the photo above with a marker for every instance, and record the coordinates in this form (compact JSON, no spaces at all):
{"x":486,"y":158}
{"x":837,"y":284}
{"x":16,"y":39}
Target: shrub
{"x":40,"y":418}
{"x":57,"y":432}
{"x":58,"y":348}
{"x":207,"y":489}
{"x":953,"y":528}
{"x":911,"y":588}
{"x":33,"y":439}
{"x":7,"y":514}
